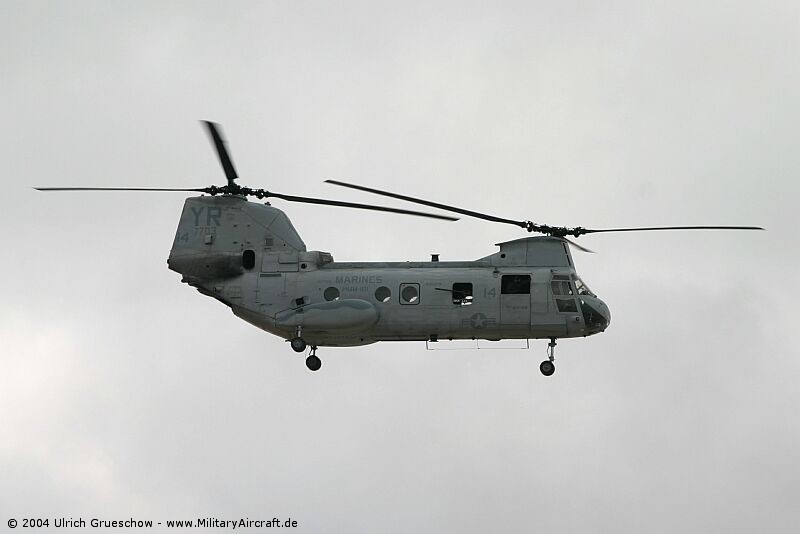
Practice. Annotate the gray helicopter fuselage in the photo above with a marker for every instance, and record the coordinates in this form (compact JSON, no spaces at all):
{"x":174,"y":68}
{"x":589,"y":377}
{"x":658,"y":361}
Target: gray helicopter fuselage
{"x":249,"y":256}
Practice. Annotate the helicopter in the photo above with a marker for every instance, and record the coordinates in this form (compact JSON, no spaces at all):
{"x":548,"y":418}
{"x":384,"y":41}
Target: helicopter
{"x":248,"y":256}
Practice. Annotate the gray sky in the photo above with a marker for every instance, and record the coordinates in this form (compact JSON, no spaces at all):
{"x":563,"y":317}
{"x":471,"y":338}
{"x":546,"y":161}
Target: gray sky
{"x":124,"y":393}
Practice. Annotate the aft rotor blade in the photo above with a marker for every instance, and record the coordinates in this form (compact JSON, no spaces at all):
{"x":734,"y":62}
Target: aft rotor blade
{"x":114,"y":189}
{"x":653,"y":228}
{"x":324,"y":202}
{"x":222,"y":151}
{"x":484,"y":216}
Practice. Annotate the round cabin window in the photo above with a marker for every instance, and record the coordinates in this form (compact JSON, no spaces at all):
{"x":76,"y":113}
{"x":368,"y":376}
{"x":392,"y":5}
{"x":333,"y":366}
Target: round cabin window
{"x":383,"y":294}
{"x":331,"y":293}
{"x":410,"y":294}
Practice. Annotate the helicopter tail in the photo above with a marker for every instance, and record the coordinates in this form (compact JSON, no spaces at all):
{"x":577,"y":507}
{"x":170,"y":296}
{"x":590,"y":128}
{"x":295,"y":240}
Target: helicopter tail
{"x":220,"y":237}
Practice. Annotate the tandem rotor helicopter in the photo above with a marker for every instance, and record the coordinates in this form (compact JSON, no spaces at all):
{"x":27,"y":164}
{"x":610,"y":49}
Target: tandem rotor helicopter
{"x":249,"y":256}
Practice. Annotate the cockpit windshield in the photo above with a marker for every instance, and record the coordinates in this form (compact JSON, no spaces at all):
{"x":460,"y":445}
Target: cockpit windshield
{"x":582,"y":288}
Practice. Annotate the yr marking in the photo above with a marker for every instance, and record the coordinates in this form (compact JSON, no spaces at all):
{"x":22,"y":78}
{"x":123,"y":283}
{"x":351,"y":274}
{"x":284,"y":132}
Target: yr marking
{"x":212,"y":215}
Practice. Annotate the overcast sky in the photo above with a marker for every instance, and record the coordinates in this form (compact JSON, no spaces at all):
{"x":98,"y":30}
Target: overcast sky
{"x":124,"y":393}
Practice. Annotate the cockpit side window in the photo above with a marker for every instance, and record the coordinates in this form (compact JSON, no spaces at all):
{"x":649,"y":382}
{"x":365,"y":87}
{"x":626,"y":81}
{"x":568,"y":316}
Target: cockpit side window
{"x":582,"y":288}
{"x":561,"y":287}
{"x":564,"y":293}
{"x":566,"y":305}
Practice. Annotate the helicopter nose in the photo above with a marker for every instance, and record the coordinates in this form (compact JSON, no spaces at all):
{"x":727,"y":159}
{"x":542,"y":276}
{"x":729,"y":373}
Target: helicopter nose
{"x":605,"y":312}
{"x":596,"y":314}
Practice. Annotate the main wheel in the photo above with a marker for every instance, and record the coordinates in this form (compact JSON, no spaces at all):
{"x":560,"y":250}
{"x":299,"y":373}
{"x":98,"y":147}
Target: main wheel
{"x":313,"y":363}
{"x":547,"y":368}
{"x":298,"y":344}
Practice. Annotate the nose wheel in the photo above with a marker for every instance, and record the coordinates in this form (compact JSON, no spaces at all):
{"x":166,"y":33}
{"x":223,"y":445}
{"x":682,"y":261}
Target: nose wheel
{"x":547,"y":367}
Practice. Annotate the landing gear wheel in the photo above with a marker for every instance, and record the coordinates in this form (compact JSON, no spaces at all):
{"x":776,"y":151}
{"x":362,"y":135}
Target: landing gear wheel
{"x":547,"y":368}
{"x":298,"y":344}
{"x":313,"y":363}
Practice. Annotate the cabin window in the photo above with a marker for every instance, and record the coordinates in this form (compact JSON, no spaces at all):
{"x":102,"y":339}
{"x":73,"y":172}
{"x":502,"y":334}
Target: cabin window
{"x":383,"y":294}
{"x":332,"y":293}
{"x":248,"y":259}
{"x":515,"y":284}
{"x":462,"y":293}
{"x":409,"y":293}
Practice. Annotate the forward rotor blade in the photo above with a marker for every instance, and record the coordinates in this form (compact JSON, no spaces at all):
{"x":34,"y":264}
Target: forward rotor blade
{"x":222,"y":151}
{"x":650,"y":228}
{"x":114,"y":189}
{"x":579,"y":247}
{"x":324,"y":202}
{"x":522,"y":224}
